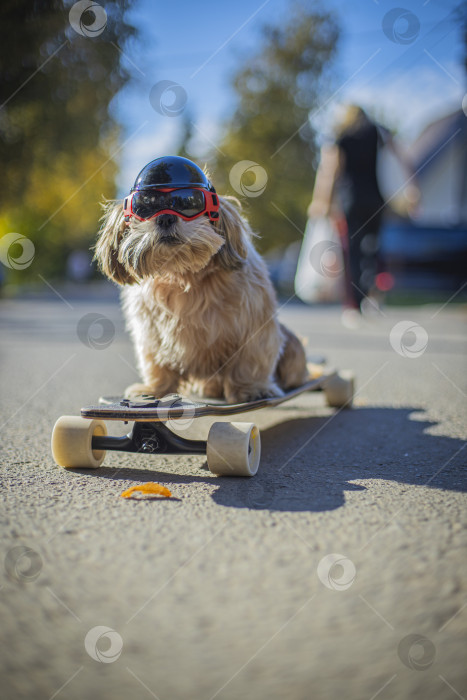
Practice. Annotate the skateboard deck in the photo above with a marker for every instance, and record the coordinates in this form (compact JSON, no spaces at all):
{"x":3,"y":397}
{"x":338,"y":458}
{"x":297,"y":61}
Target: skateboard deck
{"x":149,"y":408}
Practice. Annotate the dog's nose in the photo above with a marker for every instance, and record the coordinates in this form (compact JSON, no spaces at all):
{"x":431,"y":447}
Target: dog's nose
{"x":166,"y":220}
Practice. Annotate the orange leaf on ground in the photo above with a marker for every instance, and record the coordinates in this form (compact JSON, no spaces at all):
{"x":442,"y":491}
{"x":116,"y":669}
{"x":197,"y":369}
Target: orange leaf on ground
{"x":149,"y":487}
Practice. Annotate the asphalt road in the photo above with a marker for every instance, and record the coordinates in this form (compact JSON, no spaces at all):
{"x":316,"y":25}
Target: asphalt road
{"x":229,"y":589}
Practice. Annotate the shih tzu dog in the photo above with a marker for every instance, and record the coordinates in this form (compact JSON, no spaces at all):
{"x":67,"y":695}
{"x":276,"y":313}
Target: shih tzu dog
{"x":197,"y":297}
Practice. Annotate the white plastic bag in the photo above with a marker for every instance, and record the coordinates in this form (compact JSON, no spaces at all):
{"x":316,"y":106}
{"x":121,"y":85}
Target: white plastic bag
{"x":320,"y":268}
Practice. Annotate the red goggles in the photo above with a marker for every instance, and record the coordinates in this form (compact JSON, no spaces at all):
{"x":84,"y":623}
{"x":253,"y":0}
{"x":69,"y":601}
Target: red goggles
{"x":188,"y":203}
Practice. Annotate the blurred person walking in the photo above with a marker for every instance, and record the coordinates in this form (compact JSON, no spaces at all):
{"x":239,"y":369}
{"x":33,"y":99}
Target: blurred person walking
{"x":346,"y":188}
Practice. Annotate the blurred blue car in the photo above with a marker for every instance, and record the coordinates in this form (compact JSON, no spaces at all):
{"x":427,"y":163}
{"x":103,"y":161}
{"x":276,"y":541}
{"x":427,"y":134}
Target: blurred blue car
{"x":424,"y":258}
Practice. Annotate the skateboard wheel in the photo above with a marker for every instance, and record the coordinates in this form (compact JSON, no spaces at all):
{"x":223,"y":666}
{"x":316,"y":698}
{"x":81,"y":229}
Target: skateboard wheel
{"x":71,"y":442}
{"x":339,"y":389}
{"x":233,"y":449}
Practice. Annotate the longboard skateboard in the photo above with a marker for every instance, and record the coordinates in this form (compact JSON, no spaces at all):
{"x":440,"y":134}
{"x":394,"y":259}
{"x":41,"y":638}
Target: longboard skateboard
{"x":231,"y":448}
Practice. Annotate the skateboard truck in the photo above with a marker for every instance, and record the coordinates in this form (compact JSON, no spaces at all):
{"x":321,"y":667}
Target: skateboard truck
{"x":150,"y":438}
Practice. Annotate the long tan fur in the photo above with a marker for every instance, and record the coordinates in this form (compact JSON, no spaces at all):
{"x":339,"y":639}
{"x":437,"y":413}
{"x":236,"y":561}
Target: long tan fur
{"x":200,"y":307}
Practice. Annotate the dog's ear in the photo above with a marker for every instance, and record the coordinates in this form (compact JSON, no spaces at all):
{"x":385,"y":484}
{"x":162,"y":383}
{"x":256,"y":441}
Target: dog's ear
{"x":232,"y":228}
{"x":108,"y":243}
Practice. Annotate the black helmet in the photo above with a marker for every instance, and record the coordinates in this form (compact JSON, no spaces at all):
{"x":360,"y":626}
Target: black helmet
{"x":172,"y":171}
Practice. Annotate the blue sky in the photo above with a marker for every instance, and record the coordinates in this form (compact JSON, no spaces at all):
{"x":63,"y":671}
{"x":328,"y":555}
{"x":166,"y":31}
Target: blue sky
{"x":198,"y":46}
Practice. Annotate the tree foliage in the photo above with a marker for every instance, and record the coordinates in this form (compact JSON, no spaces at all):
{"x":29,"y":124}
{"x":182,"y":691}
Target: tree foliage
{"x":276,"y":90}
{"x":57,"y":134}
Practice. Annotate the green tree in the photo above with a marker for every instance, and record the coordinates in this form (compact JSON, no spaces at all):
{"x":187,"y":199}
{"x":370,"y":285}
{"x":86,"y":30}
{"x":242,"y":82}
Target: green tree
{"x":57,"y":134}
{"x":277,"y":89}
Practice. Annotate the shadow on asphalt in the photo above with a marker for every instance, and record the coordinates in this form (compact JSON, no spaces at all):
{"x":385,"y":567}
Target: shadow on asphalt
{"x":309,"y":463}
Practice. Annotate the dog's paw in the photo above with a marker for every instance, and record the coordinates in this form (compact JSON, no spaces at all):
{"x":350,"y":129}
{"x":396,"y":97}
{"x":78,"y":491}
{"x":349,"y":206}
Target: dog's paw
{"x":271,"y":391}
{"x":134,"y":390}
{"x":211,"y":389}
